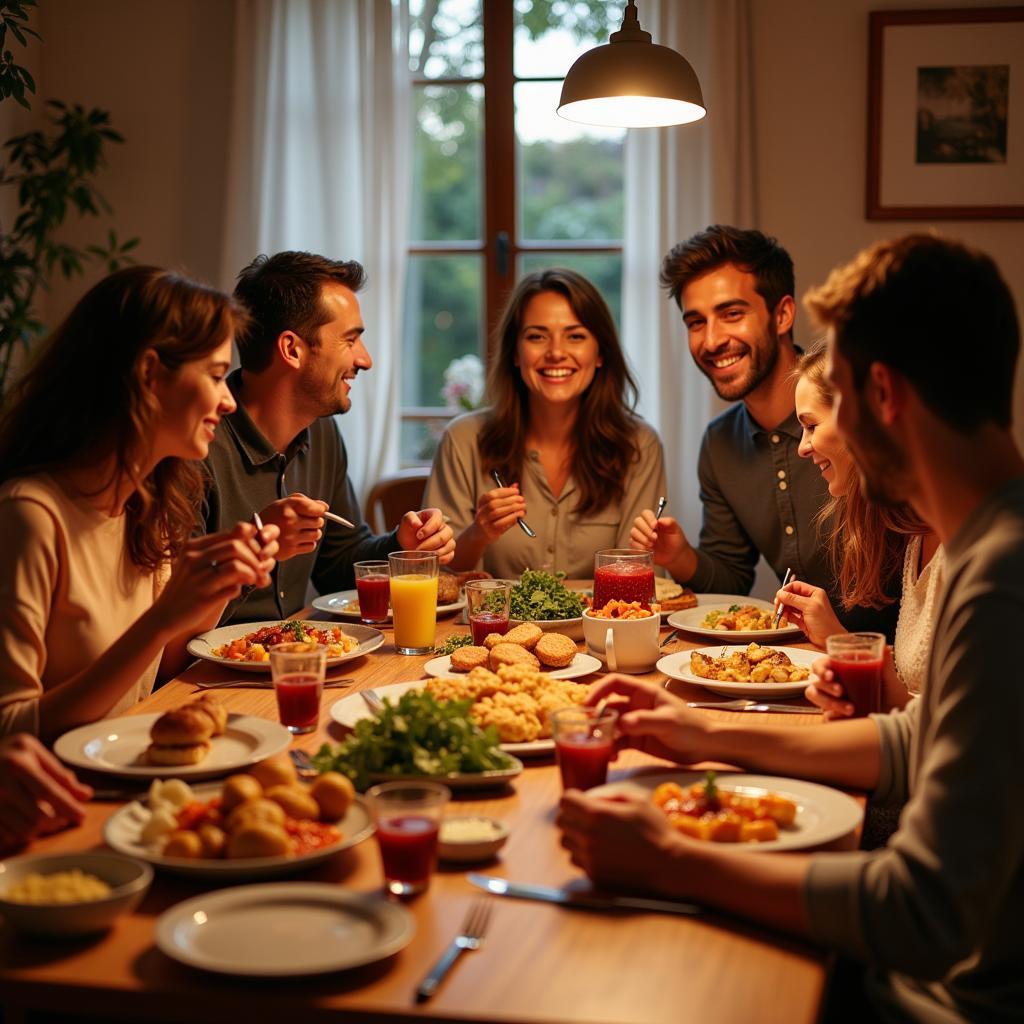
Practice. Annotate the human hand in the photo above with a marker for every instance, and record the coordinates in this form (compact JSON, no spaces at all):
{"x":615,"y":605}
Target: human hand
{"x":620,"y":842}
{"x":300,"y":520}
{"x":211,"y":571}
{"x":829,"y":695}
{"x":664,"y":537}
{"x":808,"y":607}
{"x":651,"y":719}
{"x":497,"y":511}
{"x":37,"y":793}
{"x":426,"y":530}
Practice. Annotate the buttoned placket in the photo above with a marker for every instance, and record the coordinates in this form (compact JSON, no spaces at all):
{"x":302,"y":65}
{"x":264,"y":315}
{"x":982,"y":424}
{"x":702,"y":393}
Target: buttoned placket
{"x":780,"y":453}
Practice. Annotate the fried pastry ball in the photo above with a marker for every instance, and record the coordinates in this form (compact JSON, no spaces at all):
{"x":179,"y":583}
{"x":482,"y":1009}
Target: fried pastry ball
{"x":555,"y":650}
{"x":275,"y":771}
{"x":259,"y":839}
{"x":294,"y":801}
{"x":183,"y":844}
{"x":213,"y":840}
{"x":334,"y":794}
{"x":465,"y":659}
{"x":259,"y":809}
{"x":493,"y":639}
{"x":237,"y":790}
{"x":511,"y":654}
{"x":526,"y":634}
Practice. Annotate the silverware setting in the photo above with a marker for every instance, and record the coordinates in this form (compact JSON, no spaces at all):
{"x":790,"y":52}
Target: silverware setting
{"x":752,"y":705}
{"x":523,"y":525}
{"x":303,"y":764}
{"x":672,"y":636}
{"x":373,"y":701}
{"x":470,"y":936}
{"x":264,"y":684}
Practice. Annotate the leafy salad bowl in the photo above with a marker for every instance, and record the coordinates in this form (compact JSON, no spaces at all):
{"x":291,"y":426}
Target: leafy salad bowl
{"x":542,"y":598}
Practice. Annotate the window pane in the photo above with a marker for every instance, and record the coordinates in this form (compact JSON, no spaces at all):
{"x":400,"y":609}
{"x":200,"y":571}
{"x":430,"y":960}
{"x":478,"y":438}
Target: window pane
{"x":550,"y":35}
{"x":603,"y":269}
{"x":443,"y":317}
{"x":418,"y":440}
{"x":570,"y":176}
{"x":446,"y":39}
{"x":446,"y":175}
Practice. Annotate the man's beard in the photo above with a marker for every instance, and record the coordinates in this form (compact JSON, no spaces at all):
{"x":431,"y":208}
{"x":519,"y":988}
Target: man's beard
{"x":762,"y":360}
{"x":326,"y":401}
{"x":883,"y":467}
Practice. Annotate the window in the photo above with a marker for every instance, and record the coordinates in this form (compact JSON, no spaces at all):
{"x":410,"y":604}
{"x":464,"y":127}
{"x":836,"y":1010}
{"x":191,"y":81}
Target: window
{"x":501,"y":185}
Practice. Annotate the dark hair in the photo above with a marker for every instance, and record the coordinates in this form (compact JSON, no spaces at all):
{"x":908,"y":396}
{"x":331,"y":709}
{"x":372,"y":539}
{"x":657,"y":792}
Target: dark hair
{"x":866,"y":541}
{"x":605,"y":435}
{"x":282,"y":293}
{"x":82,"y":398}
{"x":917,"y":304}
{"x":750,"y":250}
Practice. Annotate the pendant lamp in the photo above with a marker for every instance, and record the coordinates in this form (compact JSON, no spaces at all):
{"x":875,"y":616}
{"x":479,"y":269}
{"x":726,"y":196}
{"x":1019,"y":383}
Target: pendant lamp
{"x":631,"y":82}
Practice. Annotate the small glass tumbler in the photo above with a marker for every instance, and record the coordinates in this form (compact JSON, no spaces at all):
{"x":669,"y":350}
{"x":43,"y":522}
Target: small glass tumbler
{"x":414,"y":600}
{"x":373,"y":585}
{"x":857,"y":664}
{"x":584,"y":744}
{"x":297,"y":670}
{"x":487,"y":605}
{"x":407,"y":816}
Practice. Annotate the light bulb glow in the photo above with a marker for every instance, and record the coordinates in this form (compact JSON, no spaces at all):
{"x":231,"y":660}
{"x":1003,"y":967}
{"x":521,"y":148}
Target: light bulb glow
{"x":632,"y":111}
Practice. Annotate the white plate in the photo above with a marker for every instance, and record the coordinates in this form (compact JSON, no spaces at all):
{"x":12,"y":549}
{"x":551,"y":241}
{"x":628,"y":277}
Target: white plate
{"x":203,"y":646}
{"x":461,"y":780}
{"x":581,"y":665}
{"x":678,"y":667}
{"x":340,"y":604}
{"x":115,"y":746}
{"x":123,"y":829}
{"x":690,"y":620}
{"x":823,"y":814}
{"x":352,"y":709}
{"x":287,"y":929}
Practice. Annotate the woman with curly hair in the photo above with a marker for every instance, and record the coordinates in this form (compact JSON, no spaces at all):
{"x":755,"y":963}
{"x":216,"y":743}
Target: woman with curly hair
{"x":868,"y":544}
{"x":560,"y":432}
{"x":100,"y":484}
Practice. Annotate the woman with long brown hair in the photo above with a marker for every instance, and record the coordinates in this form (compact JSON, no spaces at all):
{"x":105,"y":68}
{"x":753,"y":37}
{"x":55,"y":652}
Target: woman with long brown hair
{"x":868,"y":545}
{"x":100,"y":486}
{"x":560,"y":432}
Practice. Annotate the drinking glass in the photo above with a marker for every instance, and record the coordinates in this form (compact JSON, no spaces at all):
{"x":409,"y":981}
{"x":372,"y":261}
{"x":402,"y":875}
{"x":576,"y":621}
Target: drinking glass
{"x":407,"y":816}
{"x":621,"y":574}
{"x":373,"y":585}
{"x":297,"y":670}
{"x":414,"y":600}
{"x":857,"y":664}
{"x":487,"y":604}
{"x":584,"y":744}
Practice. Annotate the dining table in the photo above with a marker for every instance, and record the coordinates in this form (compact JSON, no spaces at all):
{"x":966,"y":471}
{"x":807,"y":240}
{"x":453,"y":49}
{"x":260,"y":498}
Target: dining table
{"x":537,"y":962}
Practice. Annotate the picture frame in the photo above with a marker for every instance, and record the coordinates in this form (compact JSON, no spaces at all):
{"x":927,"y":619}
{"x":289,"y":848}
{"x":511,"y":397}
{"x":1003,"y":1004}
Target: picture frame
{"x":946,"y":114}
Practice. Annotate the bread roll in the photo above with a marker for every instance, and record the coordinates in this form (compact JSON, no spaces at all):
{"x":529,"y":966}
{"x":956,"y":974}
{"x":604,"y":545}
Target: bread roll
{"x":255,"y":810}
{"x":259,"y":839}
{"x":183,"y":844}
{"x":183,"y":726}
{"x":295,"y":802}
{"x":213,"y":840}
{"x":217,"y":711}
{"x":334,"y":794}
{"x":237,"y":790}
{"x":275,"y":771}
{"x":184,"y":754}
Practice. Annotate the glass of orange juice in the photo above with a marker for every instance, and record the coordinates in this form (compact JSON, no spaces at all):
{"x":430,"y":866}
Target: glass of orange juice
{"x":414,"y":600}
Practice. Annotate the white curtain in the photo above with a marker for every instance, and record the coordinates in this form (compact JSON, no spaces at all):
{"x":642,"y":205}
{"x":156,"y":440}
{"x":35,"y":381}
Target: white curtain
{"x":678,"y":181}
{"x":319,"y":161}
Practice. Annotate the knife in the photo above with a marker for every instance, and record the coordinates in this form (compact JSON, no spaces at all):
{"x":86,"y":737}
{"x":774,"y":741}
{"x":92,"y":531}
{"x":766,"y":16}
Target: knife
{"x":752,"y":705}
{"x":579,"y":901}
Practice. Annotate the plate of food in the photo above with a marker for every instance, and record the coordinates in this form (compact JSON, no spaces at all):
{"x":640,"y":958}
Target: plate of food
{"x":669,"y":597}
{"x":245,"y":645}
{"x":248,"y":827}
{"x":543,"y":599}
{"x":796,"y":815}
{"x":282,"y":930}
{"x":345,"y":604}
{"x":725,"y":615}
{"x":581,"y":665}
{"x":178,"y":742}
{"x":747,"y":671}
{"x":516,"y":701}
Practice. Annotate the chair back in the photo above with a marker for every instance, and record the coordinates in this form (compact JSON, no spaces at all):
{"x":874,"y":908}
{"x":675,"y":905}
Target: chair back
{"x":392,"y":496}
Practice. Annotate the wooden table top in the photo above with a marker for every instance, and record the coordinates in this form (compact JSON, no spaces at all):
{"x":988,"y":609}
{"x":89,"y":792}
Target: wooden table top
{"x":537,"y":963}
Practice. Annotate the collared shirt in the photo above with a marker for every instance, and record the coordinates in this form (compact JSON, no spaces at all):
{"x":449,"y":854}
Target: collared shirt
{"x":761,"y":498}
{"x":565,"y":541}
{"x":247,"y":473}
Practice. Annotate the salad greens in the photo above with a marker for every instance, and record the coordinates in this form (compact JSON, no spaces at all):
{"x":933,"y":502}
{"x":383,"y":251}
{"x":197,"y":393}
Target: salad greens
{"x":453,"y":643}
{"x":416,"y":736}
{"x":541,"y":595}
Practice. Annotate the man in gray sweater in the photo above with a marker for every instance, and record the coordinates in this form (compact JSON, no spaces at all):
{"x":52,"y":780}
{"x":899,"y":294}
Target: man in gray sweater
{"x":937,"y":916}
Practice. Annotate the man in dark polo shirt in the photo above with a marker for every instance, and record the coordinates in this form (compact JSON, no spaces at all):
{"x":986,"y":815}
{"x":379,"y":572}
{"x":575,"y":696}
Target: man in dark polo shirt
{"x":281,"y":454}
{"x":735,"y":291}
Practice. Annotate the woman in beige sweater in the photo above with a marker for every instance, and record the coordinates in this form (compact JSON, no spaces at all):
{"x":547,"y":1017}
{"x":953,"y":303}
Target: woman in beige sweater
{"x":101,"y":586}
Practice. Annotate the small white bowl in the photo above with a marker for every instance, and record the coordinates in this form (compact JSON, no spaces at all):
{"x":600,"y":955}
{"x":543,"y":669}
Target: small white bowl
{"x":129,"y":879}
{"x":572,"y":628}
{"x":453,"y":845}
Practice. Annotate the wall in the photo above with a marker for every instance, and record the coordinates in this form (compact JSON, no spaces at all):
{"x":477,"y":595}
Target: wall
{"x":811,"y":79}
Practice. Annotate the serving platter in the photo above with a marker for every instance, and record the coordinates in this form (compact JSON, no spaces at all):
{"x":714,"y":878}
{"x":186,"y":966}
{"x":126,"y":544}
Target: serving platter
{"x":115,"y":746}
{"x":677,"y":666}
{"x":205,"y":644}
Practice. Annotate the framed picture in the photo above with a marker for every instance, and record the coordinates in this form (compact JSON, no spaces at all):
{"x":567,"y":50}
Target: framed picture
{"x":946,"y":114}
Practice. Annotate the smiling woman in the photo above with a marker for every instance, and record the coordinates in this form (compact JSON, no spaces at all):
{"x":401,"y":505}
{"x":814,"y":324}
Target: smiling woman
{"x":560,"y":428}
{"x":99,"y":495}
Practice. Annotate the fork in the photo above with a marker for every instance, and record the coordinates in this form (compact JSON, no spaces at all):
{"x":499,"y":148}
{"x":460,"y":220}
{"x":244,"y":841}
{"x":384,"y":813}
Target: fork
{"x":303,"y":764}
{"x":470,"y":937}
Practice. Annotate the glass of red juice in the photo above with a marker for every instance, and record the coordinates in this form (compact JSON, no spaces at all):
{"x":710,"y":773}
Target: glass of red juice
{"x":856,"y":661}
{"x":373,"y":585}
{"x":298,"y":672}
{"x":407,"y":816}
{"x":621,"y":574}
{"x":488,"y":607}
{"x":584,"y":744}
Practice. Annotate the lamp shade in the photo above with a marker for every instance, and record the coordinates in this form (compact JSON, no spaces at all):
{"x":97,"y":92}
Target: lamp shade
{"x":631,"y":82}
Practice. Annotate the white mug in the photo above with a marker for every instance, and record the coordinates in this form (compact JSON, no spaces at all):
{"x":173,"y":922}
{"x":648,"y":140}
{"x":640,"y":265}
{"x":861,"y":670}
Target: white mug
{"x":625,"y":645}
